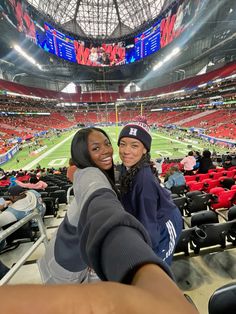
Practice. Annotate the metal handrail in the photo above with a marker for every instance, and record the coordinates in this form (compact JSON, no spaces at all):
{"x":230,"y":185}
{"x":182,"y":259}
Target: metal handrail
{"x":43,"y":238}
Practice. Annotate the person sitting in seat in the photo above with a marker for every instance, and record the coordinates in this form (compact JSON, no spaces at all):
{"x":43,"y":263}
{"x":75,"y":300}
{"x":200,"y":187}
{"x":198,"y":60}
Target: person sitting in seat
{"x":188,"y":163}
{"x":227,"y":162}
{"x":22,"y":204}
{"x":34,"y":183}
{"x":175,"y":178}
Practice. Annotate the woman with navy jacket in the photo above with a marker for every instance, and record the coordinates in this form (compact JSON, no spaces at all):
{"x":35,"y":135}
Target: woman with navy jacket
{"x":141,"y":193}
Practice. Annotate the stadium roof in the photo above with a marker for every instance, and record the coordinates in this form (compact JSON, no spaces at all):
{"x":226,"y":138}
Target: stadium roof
{"x":101,"y":18}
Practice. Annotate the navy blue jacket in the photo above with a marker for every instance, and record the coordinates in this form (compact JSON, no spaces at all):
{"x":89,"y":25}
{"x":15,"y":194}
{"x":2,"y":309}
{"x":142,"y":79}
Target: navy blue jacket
{"x":150,"y":203}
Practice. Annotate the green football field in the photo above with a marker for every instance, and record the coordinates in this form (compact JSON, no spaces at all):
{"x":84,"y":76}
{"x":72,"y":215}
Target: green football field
{"x":56,"y":150}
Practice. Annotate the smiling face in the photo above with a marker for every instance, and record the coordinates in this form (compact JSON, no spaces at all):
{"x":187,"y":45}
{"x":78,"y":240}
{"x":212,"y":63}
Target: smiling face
{"x":100,"y":150}
{"x":131,"y":151}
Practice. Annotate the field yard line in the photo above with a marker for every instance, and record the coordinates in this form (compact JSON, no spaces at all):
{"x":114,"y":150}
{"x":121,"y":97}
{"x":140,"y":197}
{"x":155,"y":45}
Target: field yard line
{"x":168,"y":138}
{"x":37,"y":160}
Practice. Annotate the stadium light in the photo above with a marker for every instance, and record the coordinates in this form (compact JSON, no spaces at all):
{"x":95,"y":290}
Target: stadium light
{"x":27,"y":57}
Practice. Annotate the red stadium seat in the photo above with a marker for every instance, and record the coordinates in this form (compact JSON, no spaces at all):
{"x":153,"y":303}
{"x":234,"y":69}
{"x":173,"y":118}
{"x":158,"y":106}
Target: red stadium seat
{"x":202,"y":176}
{"x":209,"y":184}
{"x":194,"y":186}
{"x":230,"y":173}
{"x":225,"y":200}
{"x":216,"y":175}
{"x":212,"y":170}
{"x":190,"y":178}
{"x":217,"y":190}
{"x":233,"y":187}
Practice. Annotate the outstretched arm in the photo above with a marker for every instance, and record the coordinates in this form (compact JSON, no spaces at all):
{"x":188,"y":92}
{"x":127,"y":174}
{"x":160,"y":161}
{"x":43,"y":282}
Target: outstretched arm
{"x":152,"y":292}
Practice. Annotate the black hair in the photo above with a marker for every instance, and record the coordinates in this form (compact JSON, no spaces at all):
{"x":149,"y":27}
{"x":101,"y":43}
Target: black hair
{"x":33,"y":179}
{"x":80,"y":154}
{"x":206,"y":153}
{"x":126,"y":180}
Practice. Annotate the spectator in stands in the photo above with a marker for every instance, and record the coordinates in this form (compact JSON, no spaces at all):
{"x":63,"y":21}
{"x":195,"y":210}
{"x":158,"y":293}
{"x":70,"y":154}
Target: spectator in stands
{"x":175,"y":178}
{"x":198,"y":157}
{"x":22,"y":203}
{"x":205,"y":162}
{"x":227,"y":162}
{"x":34,"y":183}
{"x":71,"y":170}
{"x":94,"y":189}
{"x":115,"y":244}
{"x":188,"y":163}
{"x":141,"y":193}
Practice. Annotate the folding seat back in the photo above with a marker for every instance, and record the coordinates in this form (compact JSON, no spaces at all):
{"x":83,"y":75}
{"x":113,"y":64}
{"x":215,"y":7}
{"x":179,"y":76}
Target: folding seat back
{"x":230,"y":173}
{"x":215,"y":175}
{"x":190,"y":178}
{"x":173,"y":195}
{"x":180,"y":202}
{"x":223,"y":300}
{"x":184,"y":240}
{"x":43,"y":193}
{"x":25,"y":234}
{"x":215,"y":235}
{"x":233,"y":187}
{"x":232,"y":213}
{"x":225,"y":200}
{"x":52,"y":206}
{"x":180,"y":190}
{"x":202,"y":176}
{"x":194,"y":186}
{"x":227,"y":183}
{"x":212,"y":170}
{"x":192,"y":194}
{"x":60,"y":195}
{"x":197,"y":203}
{"x":52,"y":188}
{"x":204,"y":217}
{"x":65,"y":186}
{"x":208,"y":184}
{"x":217,"y":190}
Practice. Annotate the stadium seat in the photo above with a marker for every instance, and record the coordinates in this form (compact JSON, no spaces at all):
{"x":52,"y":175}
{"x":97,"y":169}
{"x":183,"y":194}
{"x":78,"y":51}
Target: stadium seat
{"x":215,"y":232}
{"x":202,"y":176}
{"x":232,"y":213}
{"x":52,"y":206}
{"x":217,"y":190}
{"x":197,"y":203}
{"x":230,"y":173}
{"x":194,"y":186}
{"x":204,"y":217}
{"x":190,"y":178}
{"x":223,"y":300}
{"x":226,"y":183}
{"x":26,"y":233}
{"x":215,"y":175}
{"x":208,"y":184}
{"x":61,"y":195}
{"x":52,"y":188}
{"x":180,"y":190}
{"x":233,"y":187}
{"x":184,"y":240}
{"x":180,"y":202}
{"x":225,"y":200}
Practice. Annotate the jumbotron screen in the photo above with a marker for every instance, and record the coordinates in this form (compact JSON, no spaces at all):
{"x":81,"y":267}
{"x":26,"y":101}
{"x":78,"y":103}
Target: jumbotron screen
{"x":175,"y":20}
